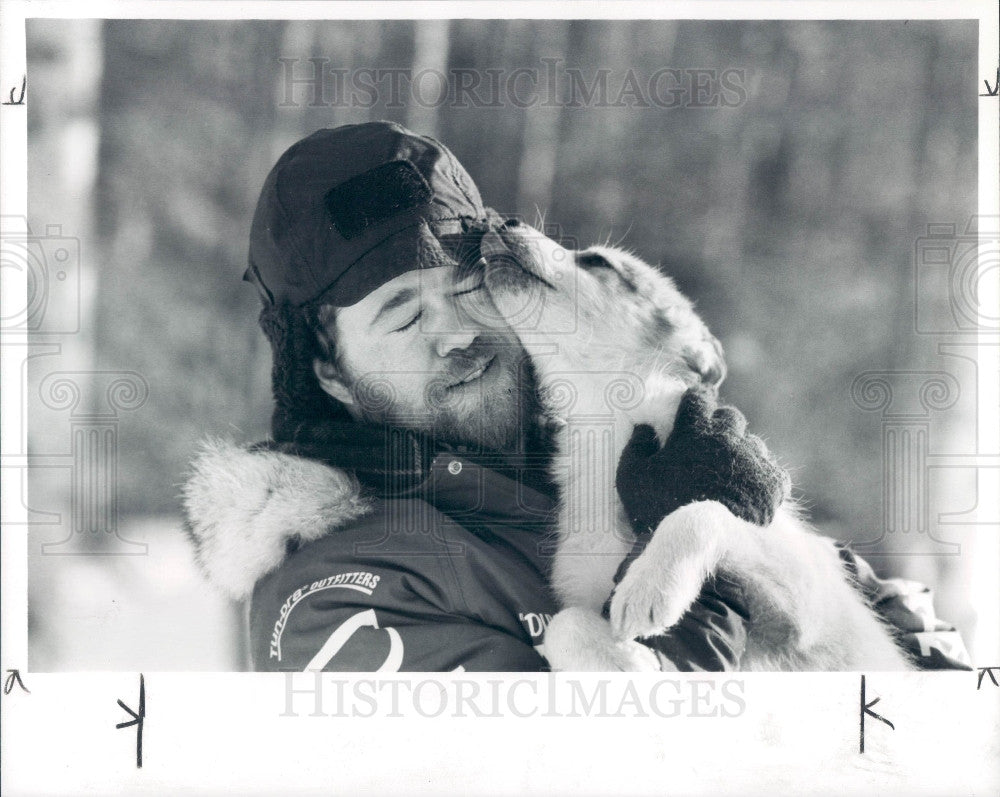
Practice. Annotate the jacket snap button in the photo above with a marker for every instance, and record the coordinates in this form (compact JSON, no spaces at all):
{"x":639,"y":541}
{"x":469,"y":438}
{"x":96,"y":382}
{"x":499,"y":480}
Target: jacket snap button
{"x":454,"y":467}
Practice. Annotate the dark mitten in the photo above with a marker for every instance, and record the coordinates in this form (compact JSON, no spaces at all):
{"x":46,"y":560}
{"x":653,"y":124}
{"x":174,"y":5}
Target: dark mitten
{"x":708,"y":457}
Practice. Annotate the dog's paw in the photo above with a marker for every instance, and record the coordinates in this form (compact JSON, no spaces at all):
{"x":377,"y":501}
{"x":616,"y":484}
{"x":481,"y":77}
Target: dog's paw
{"x":653,"y":596}
{"x":642,"y":607}
{"x":577,"y":640}
{"x":667,"y":577}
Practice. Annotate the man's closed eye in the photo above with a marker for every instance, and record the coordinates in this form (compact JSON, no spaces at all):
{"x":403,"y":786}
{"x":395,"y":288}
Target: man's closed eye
{"x":410,"y":323}
{"x":467,"y":291}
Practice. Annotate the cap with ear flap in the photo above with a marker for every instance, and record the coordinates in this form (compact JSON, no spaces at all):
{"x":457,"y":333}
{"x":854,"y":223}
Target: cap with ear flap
{"x":343,"y":211}
{"x":347,"y":209}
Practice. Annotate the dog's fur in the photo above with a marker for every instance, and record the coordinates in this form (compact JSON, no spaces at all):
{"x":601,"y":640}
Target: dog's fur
{"x":615,"y":344}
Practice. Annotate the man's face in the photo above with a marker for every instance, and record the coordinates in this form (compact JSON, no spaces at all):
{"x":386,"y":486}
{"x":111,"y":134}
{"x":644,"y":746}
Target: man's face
{"x":427,"y":350}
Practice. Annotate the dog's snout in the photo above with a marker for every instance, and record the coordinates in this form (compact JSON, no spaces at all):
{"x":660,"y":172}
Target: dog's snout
{"x":491,"y":245}
{"x":504,"y":270}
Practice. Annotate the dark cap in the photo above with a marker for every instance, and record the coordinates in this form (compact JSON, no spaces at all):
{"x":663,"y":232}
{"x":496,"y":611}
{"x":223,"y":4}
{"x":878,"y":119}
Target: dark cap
{"x":346,"y":209}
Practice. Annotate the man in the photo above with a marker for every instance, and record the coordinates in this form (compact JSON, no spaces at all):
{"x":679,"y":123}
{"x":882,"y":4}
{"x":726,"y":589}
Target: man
{"x":397,"y":520}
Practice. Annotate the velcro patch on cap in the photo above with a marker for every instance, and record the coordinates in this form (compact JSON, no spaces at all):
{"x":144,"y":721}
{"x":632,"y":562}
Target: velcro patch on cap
{"x":376,"y":195}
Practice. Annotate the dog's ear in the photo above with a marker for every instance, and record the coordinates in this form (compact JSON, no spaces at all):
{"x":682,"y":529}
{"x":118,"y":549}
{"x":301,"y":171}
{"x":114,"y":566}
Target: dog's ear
{"x":675,"y":320}
{"x":705,"y":357}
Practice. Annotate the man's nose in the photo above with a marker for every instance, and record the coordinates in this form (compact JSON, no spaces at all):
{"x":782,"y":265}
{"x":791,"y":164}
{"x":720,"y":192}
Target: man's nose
{"x":454,"y":340}
{"x":454,"y":331}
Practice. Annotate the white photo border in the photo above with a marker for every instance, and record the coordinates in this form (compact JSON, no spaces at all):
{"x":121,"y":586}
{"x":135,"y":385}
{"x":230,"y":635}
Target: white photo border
{"x":257,"y":733}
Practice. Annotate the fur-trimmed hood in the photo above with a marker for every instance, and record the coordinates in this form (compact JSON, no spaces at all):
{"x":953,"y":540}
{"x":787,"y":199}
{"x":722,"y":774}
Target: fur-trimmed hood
{"x":243,"y":507}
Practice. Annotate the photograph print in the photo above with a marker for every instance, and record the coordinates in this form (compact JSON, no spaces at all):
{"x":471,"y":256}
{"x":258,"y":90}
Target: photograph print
{"x":504,"y":345}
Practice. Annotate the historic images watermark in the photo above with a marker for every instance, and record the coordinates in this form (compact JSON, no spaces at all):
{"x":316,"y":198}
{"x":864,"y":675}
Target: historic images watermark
{"x":956,"y":263}
{"x":94,"y":402}
{"x":317,"y":83}
{"x":39,"y":322}
{"x":50,"y":263}
{"x":954,"y":266}
{"x":318,"y":694}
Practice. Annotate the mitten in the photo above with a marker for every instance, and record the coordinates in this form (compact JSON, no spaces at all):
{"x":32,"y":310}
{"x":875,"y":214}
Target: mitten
{"x":708,"y":457}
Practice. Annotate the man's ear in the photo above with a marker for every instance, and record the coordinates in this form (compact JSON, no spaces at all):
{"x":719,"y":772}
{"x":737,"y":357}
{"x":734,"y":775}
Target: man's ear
{"x":329,"y":379}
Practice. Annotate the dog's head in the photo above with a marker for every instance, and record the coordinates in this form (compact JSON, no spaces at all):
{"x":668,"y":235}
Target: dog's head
{"x":601,"y":306}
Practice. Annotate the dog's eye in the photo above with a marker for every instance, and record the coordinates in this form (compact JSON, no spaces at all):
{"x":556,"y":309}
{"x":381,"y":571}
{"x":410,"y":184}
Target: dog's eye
{"x":591,"y":260}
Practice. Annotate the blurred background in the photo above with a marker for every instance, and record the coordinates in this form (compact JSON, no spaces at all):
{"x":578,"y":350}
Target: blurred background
{"x":790,"y":196}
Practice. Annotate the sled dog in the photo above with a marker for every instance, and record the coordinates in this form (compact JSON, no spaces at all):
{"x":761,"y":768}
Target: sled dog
{"x":615,"y":344}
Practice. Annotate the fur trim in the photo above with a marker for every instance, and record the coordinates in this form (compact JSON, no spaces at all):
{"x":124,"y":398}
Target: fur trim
{"x":244,"y":507}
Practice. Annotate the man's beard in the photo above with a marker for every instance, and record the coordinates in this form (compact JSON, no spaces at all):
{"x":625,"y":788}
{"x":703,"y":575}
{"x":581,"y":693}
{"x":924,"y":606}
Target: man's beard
{"x":499,"y":413}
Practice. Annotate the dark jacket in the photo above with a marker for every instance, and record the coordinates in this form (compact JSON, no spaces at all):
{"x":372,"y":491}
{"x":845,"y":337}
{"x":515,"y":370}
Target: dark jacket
{"x":450,"y":575}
